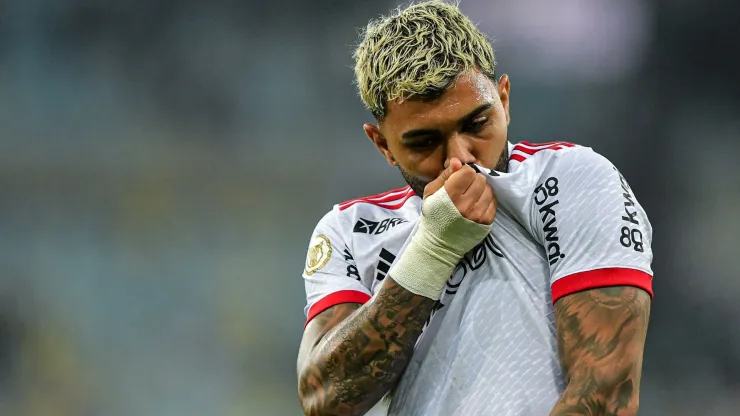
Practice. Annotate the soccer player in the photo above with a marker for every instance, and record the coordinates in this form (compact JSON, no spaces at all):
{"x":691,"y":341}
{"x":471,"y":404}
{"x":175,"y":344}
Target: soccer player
{"x":418,"y":306}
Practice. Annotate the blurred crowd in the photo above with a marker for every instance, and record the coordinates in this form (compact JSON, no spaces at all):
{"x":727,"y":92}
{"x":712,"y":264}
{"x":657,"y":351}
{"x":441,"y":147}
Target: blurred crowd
{"x":162,"y":165}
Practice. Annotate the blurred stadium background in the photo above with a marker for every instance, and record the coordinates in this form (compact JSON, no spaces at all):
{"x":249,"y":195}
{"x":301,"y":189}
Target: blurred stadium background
{"x":162,"y":165}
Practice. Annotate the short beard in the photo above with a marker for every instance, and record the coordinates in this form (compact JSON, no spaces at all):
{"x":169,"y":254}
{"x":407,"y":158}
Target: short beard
{"x":417,"y":184}
{"x":503,"y":161}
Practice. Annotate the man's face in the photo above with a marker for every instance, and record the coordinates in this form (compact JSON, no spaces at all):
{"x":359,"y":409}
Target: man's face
{"x":469,"y":121}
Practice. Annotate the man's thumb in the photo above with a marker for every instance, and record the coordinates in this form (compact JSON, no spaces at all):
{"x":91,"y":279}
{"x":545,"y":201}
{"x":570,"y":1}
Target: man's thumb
{"x":439,"y":182}
{"x":453,"y":167}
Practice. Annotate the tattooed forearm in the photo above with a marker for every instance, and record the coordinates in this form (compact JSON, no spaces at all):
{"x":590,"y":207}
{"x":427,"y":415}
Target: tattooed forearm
{"x":361,"y":358}
{"x":601,"y":335}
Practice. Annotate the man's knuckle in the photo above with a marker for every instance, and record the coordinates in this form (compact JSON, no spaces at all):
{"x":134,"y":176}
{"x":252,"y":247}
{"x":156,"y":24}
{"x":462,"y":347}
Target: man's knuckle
{"x":464,"y":209}
{"x":466,"y":172}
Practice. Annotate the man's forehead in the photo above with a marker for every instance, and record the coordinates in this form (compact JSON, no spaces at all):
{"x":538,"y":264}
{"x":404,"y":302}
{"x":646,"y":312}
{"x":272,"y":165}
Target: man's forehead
{"x":467,"y":93}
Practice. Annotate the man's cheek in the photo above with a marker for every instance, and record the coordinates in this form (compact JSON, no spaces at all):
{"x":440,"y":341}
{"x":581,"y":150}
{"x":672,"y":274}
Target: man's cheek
{"x":427,"y":179}
{"x":429,"y":170}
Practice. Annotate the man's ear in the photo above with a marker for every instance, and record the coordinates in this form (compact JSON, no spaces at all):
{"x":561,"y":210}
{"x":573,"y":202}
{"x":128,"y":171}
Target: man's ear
{"x":504,"y":87}
{"x":373,"y":133}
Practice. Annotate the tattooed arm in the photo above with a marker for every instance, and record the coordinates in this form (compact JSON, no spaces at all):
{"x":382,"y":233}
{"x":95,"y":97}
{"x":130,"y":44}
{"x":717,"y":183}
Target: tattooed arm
{"x":601,"y":335}
{"x":352,"y":355}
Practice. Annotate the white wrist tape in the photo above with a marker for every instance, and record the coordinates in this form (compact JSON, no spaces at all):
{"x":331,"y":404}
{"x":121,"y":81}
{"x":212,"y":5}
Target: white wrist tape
{"x":442,"y":239}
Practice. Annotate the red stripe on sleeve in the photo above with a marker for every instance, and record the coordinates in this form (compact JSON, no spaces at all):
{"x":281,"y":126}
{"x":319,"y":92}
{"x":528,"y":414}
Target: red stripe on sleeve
{"x":336,"y":298}
{"x":385,"y":196}
{"x":518,"y":158}
{"x":566,"y":144}
{"x":398,"y":194}
{"x":539,"y":149}
{"x":399,"y":204}
{"x":601,"y":278}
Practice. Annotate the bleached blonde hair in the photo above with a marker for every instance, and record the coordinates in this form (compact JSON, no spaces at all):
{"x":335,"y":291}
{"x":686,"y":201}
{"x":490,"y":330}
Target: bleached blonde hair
{"x":418,"y":51}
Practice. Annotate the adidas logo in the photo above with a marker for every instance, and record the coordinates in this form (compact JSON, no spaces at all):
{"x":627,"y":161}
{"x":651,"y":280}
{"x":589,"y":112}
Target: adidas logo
{"x":384,"y":264}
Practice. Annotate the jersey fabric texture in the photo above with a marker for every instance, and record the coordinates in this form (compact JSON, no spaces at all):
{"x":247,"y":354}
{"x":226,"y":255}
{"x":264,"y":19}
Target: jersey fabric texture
{"x":566,"y":221}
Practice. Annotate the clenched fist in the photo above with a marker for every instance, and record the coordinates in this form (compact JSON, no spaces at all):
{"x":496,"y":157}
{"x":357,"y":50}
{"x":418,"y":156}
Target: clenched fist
{"x":456,"y":215}
{"x":468,"y":190}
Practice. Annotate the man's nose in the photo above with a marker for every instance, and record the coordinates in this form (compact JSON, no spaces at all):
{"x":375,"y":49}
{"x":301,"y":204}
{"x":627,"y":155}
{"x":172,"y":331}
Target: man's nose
{"x":460,"y":147}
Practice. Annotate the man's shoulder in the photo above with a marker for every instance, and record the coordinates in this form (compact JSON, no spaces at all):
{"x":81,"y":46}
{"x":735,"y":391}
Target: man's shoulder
{"x":374,"y":214}
{"x":537,"y":170}
{"x":542,"y":159}
{"x":528,"y":155}
{"x":392,"y":200}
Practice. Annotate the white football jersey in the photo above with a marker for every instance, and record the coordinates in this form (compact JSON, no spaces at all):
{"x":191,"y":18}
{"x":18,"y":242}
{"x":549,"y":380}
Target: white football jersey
{"x":566,"y":221}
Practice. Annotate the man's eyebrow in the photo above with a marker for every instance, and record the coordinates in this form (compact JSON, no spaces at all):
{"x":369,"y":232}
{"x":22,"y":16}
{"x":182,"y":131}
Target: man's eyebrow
{"x":464,"y":120}
{"x":471,"y":115}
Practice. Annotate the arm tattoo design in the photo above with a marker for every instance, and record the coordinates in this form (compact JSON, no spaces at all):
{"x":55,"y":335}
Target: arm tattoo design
{"x":601,"y":335}
{"x":360,"y":360}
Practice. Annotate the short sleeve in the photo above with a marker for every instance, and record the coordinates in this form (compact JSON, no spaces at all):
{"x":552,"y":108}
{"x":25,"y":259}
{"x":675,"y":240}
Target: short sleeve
{"x":330,"y":274}
{"x":593,"y":230}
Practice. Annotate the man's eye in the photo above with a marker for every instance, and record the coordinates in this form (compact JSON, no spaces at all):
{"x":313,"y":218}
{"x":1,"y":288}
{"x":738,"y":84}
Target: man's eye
{"x":477,"y":124}
{"x":423,"y":143}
